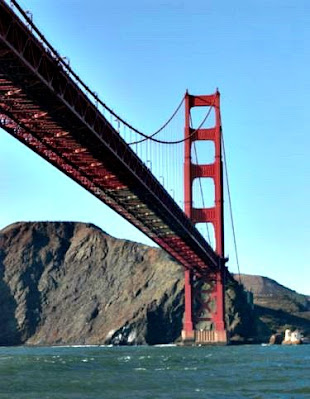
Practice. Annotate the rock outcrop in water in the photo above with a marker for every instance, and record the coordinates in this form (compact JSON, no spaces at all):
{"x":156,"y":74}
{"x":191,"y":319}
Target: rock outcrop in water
{"x":71,"y":283}
{"x":277,"y":308}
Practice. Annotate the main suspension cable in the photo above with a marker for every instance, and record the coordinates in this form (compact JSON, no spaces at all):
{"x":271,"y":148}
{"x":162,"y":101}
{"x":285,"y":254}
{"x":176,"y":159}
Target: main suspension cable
{"x":66,"y":65}
{"x":94,"y":95}
{"x":146,"y":137}
{"x":176,"y":141}
{"x":230,"y":209}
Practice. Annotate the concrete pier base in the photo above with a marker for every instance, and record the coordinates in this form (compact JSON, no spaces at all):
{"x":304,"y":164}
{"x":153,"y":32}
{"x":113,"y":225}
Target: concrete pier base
{"x":188,"y":337}
{"x":204,"y":337}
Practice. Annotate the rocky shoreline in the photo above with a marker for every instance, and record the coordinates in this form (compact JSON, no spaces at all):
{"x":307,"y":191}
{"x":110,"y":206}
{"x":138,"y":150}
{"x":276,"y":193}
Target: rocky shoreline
{"x":65,"y":283}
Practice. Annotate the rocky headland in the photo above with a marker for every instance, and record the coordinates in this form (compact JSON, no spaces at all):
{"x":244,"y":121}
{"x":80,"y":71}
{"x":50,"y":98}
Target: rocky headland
{"x":277,"y":308}
{"x":71,"y":283}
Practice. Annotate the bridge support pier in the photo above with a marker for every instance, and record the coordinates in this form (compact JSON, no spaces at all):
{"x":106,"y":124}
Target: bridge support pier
{"x":204,"y":316}
{"x":210,"y":313}
{"x":204,"y":313}
{"x":188,"y":333}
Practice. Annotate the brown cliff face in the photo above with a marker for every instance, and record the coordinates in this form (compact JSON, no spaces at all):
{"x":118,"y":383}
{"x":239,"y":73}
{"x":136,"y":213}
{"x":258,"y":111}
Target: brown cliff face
{"x":69,"y":283}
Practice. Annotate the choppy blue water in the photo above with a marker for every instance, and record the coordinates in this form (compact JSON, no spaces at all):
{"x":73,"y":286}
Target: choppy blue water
{"x":155,"y":372}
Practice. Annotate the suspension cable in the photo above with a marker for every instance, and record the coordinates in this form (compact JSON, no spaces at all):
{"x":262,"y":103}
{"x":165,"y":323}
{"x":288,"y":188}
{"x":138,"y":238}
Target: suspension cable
{"x":230,"y":209}
{"x":176,"y":141}
{"x":95,"y":96}
{"x":146,"y":137}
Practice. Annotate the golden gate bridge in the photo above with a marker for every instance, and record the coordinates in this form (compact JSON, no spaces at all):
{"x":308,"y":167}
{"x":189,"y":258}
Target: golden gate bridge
{"x":45,"y":105}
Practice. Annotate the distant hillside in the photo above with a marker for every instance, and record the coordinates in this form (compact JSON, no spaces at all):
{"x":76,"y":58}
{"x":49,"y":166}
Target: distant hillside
{"x":277,"y":306}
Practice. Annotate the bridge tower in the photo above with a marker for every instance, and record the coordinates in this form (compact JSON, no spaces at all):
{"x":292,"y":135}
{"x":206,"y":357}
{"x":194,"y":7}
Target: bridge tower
{"x":204,"y":317}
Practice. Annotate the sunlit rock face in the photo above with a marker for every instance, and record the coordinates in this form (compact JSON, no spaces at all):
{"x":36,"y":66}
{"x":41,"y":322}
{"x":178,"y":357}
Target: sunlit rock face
{"x":71,"y":283}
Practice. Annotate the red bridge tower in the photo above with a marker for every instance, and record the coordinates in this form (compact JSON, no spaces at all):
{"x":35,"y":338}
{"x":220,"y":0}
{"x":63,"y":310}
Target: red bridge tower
{"x":204,"y":318}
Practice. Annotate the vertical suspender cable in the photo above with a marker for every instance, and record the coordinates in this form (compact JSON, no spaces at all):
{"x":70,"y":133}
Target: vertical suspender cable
{"x":230,"y":208}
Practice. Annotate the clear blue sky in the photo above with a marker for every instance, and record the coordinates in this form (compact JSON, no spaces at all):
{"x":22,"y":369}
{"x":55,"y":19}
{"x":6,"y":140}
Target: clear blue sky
{"x":141,"y":56}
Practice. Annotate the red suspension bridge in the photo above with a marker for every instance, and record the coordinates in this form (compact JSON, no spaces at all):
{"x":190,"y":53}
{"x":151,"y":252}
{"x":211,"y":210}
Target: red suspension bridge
{"x":46,"y":106}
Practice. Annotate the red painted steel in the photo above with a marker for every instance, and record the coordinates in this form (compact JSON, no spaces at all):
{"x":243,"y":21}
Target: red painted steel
{"x":44,"y":107}
{"x":209,"y":294}
{"x":188,"y":333}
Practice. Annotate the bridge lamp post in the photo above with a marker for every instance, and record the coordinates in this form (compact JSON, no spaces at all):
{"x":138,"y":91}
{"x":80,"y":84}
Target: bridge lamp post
{"x":149,"y":162}
{"x":163,"y":179}
{"x":118,"y":125}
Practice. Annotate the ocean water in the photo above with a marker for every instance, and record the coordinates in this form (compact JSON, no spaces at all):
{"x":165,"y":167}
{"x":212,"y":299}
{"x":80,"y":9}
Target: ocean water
{"x":155,"y":372}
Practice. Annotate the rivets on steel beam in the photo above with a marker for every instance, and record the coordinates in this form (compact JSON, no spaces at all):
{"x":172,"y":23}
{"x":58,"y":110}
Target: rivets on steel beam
{"x":93,"y":164}
{"x":80,"y":150}
{"x":39,"y":115}
{"x":62,"y":134}
{"x":11,"y":92}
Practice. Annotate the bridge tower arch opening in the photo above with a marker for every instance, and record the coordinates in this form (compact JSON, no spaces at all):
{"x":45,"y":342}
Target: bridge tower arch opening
{"x":204,"y":316}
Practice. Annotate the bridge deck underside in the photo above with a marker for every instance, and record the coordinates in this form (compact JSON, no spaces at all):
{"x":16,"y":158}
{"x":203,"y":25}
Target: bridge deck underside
{"x":43,"y":107}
